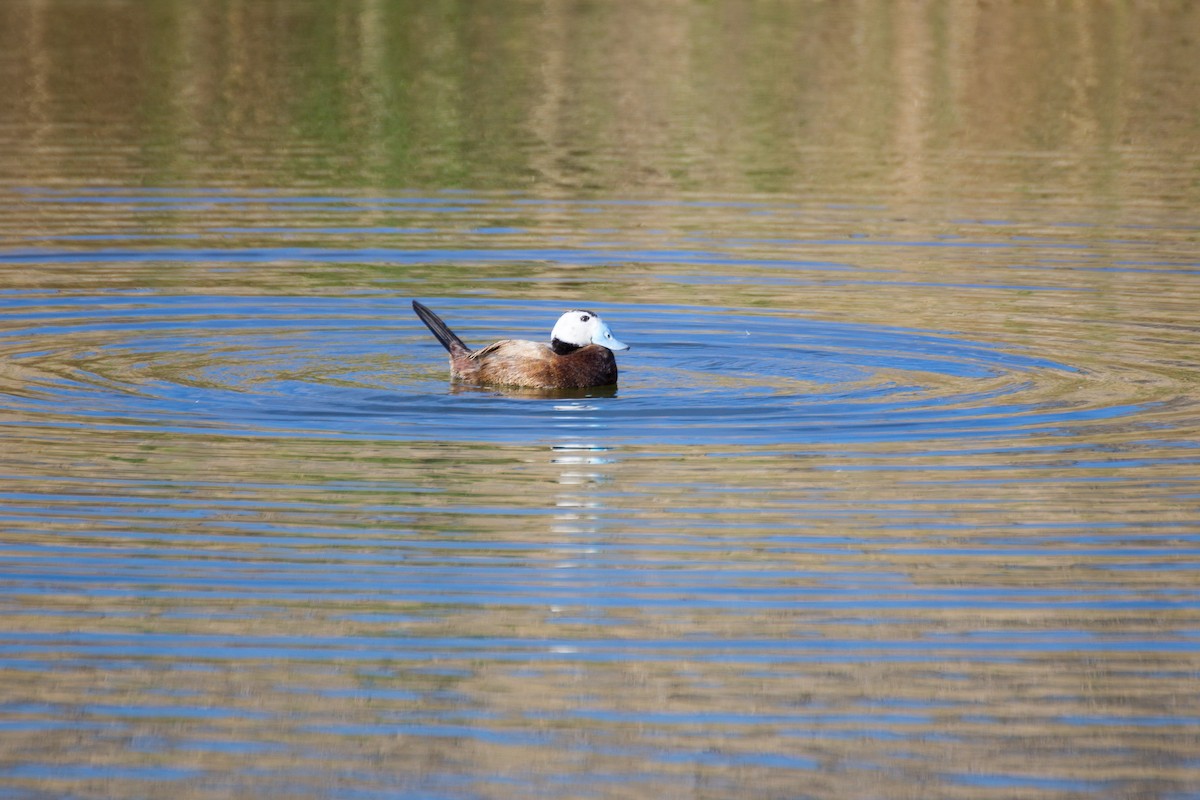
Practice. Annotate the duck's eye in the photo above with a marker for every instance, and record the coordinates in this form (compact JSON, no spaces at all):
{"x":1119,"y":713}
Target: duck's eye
{"x":584,"y":318}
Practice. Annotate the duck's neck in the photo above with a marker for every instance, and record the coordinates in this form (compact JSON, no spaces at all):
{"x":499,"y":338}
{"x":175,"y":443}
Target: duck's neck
{"x":563,"y":348}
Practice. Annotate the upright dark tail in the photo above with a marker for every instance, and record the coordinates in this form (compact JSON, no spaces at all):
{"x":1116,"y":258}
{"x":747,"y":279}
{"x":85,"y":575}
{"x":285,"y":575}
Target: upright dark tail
{"x":444,"y":335}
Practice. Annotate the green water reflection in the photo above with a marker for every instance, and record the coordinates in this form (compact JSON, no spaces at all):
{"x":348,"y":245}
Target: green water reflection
{"x":253,"y":544}
{"x":930,"y":101}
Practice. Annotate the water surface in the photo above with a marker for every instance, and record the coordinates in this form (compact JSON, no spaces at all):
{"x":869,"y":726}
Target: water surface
{"x":897,"y":495}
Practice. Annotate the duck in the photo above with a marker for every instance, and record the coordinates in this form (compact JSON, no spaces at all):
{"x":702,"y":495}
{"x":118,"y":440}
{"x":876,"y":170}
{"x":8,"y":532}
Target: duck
{"x":579,"y":355}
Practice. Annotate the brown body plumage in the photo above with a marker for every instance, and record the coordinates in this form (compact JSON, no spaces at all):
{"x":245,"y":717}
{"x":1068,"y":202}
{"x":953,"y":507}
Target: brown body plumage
{"x":516,"y":362}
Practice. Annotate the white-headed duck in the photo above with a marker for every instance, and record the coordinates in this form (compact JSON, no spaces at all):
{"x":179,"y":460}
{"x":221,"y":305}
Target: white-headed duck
{"x":579,"y":355}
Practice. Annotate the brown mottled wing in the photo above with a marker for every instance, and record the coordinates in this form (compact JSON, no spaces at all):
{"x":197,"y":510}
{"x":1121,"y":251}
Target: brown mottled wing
{"x":512,"y":349}
{"x":515,"y":362}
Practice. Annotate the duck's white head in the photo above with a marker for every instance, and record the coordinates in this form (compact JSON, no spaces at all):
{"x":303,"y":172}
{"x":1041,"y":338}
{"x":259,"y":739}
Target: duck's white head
{"x":577,"y":328}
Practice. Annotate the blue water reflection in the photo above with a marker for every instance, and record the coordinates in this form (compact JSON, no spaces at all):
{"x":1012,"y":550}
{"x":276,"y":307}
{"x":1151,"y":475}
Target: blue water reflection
{"x":362,"y":367}
{"x":842,"y":500}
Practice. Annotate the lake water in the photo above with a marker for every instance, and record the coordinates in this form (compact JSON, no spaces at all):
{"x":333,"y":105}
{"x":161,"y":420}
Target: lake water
{"x":898,"y":495}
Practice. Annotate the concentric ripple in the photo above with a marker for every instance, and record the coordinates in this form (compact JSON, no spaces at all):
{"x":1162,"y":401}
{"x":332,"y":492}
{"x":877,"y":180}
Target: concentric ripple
{"x":365,"y":367}
{"x":880,"y":495}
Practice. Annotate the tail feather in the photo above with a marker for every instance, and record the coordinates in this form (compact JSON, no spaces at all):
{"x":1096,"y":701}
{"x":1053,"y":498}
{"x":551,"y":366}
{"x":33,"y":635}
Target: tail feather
{"x":447,"y":337}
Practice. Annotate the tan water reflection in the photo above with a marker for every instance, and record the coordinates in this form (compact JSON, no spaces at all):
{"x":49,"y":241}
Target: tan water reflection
{"x":928,"y":101}
{"x":628,"y":615}
{"x":253,"y":542}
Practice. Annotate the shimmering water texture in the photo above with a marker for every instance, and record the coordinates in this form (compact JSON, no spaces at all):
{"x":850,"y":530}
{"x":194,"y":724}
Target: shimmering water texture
{"x":898,"y":495}
{"x":360,"y":368}
{"x":816,"y":542}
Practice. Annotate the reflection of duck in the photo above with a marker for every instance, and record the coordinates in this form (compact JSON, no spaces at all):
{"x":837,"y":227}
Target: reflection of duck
{"x":579,"y":355}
